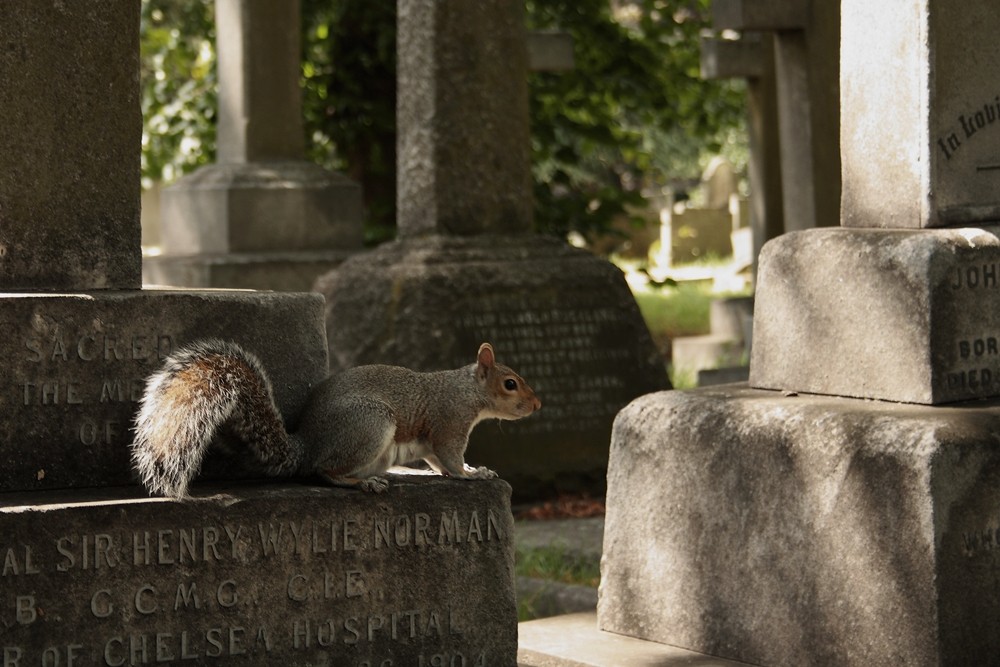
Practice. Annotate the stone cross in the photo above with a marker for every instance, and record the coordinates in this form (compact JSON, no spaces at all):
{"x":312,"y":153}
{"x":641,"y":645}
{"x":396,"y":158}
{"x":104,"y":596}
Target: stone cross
{"x":752,"y":58}
{"x":805,"y":37}
{"x":908,"y":316}
{"x":262,"y":216}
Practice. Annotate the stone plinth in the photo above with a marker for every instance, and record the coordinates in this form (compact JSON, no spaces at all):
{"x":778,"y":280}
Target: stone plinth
{"x":292,"y":271}
{"x":804,"y":530}
{"x":268,"y":574}
{"x":562,"y":318}
{"x":261,"y":207}
{"x":75,"y":366}
{"x":889,"y":314}
{"x":920,"y":110}
{"x":69,"y":160}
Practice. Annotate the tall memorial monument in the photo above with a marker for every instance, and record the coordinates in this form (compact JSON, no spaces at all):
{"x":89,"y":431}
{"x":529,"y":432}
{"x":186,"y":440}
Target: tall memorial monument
{"x":467,"y":266}
{"x":243,"y":573}
{"x":843,"y":510}
{"x":262,"y":216}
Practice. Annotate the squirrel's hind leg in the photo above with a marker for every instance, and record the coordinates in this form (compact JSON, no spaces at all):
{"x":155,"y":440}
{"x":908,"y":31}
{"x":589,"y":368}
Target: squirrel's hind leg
{"x":354,"y":458}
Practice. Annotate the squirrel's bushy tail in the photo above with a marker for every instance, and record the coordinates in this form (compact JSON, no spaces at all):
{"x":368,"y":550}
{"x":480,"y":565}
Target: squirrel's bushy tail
{"x":200,"y":389}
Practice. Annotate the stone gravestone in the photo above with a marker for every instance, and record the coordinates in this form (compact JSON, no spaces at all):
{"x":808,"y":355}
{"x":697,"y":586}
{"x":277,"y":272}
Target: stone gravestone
{"x":93,"y":571}
{"x":803,"y":529}
{"x":262,"y":217}
{"x":467,"y":267}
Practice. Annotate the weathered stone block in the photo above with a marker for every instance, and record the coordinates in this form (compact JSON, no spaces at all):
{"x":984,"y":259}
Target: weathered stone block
{"x":225,"y":208}
{"x":919,"y":100}
{"x":805,"y":530}
{"x":69,"y":160}
{"x":889,"y":314}
{"x":255,"y":575}
{"x":75,"y":366}
{"x":561,"y":317}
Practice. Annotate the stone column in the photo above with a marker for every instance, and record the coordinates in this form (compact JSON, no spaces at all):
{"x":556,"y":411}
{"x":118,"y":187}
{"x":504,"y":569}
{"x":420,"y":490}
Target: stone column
{"x":242,"y":573}
{"x":262,"y":216}
{"x":752,"y":58}
{"x":805,"y":43}
{"x":69,"y":169}
{"x":823,"y":529}
{"x":468,"y":268}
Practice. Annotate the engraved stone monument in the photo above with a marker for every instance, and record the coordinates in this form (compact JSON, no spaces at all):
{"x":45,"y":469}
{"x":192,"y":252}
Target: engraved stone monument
{"x":802,"y":529}
{"x":262,"y":217}
{"x":243,"y":573}
{"x":467,"y":267}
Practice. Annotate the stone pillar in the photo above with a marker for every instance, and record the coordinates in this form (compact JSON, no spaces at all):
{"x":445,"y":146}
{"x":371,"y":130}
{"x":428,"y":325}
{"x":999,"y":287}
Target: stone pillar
{"x":69,"y":203}
{"x":752,"y":57}
{"x":94,"y":571}
{"x":262,"y":216}
{"x":805,"y":38}
{"x":467,"y":267}
{"x":807,"y":529}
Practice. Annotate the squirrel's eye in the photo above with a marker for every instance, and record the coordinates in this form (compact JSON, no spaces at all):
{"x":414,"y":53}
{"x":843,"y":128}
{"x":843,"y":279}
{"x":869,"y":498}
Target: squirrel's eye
{"x":509,"y":384}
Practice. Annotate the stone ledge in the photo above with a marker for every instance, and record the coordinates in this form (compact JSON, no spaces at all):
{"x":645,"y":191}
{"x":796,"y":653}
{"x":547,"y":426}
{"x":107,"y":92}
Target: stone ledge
{"x":792,"y":530}
{"x":574,"y":640}
{"x":263,"y":574}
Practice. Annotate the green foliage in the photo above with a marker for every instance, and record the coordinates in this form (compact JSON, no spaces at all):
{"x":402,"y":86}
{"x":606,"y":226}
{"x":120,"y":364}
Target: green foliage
{"x":178,"y":79}
{"x":349,"y":98}
{"x":556,"y":563}
{"x":632,"y":114}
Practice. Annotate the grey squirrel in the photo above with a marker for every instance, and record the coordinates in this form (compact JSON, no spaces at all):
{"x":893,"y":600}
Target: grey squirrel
{"x":354,"y":426}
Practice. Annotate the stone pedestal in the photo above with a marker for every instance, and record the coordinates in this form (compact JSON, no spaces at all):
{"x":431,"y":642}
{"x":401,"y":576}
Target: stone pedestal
{"x":562,"y":318}
{"x":276,"y":574}
{"x":796,"y":530}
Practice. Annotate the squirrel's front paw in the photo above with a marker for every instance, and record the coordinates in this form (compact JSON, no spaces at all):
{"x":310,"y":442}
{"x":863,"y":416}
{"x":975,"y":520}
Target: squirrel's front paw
{"x":482,"y":472}
{"x":374,"y":485}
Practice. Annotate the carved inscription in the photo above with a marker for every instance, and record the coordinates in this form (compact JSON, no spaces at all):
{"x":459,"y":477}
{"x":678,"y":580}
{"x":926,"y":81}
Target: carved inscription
{"x":202,"y":587}
{"x":967,"y":126}
{"x":98,"y":376}
{"x":975,"y":369}
{"x":575,"y":358}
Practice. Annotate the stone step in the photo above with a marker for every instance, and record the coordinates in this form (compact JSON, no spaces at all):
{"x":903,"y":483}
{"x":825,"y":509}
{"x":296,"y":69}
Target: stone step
{"x":574,"y":640}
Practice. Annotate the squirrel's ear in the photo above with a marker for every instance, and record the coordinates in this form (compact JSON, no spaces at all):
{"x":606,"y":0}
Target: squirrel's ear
{"x":485,"y":359}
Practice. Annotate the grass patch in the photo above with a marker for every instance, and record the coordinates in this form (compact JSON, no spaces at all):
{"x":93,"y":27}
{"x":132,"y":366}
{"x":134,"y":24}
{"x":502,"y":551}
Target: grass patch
{"x":555,"y":563}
